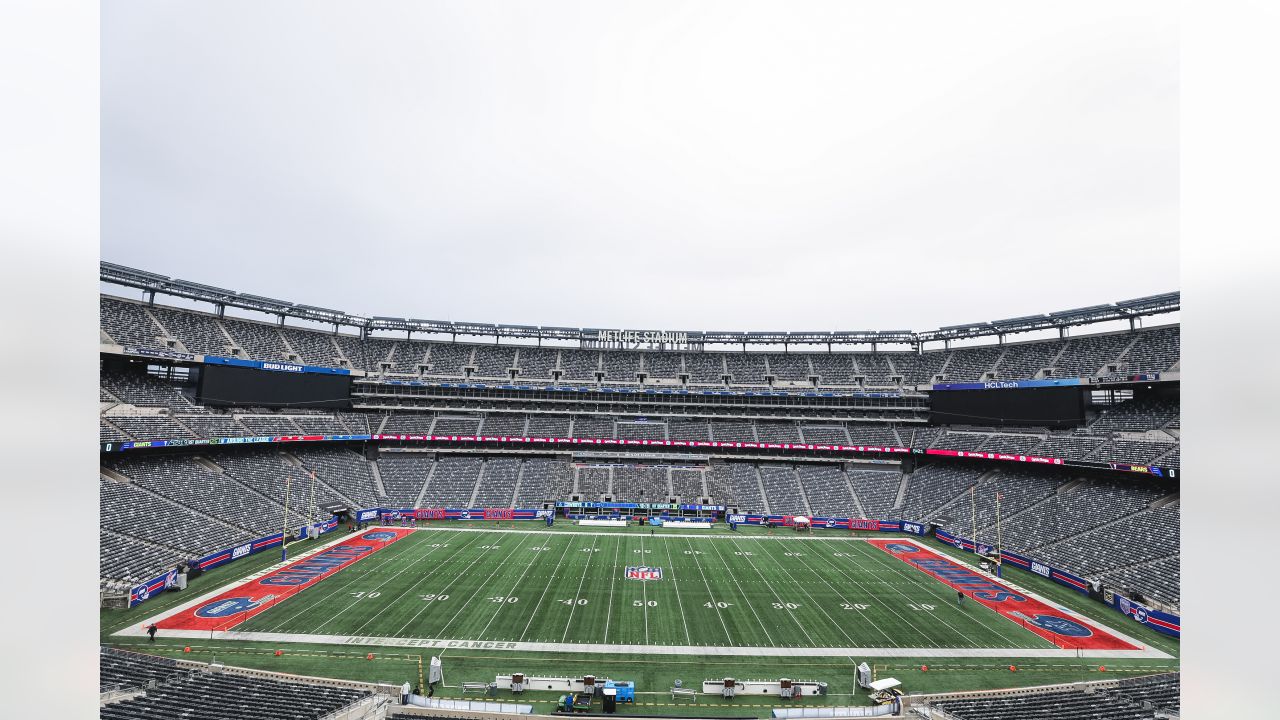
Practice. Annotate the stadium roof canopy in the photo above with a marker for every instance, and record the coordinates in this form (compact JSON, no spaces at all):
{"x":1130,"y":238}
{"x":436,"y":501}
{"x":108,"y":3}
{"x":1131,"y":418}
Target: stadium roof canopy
{"x":153,"y":284}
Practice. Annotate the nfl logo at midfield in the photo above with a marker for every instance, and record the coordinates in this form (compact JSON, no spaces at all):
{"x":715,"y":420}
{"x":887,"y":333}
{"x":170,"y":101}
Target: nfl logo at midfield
{"x":643,"y":572}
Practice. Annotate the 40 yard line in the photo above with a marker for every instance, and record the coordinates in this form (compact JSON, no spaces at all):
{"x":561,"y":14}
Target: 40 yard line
{"x":569,"y":623}
{"x":714,"y":603}
{"x":550,"y":581}
{"x":675,"y":583}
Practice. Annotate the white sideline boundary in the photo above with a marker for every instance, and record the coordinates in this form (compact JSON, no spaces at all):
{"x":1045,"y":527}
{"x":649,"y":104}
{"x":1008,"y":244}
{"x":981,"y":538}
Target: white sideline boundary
{"x":137,"y":629}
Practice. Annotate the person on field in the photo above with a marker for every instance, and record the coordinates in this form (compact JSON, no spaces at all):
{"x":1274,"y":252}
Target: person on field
{"x":151,"y":630}
{"x":960,"y":598}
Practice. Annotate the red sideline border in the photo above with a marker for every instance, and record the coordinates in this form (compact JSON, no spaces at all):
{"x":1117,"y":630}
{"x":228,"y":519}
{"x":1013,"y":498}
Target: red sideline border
{"x":236,"y":605}
{"x":1027,"y":611}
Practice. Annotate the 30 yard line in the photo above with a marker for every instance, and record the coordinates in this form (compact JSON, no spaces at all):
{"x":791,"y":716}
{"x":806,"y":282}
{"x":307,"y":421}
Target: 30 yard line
{"x":800,"y":586}
{"x":485,"y":629}
{"x":769,"y":585}
{"x":568,"y":623}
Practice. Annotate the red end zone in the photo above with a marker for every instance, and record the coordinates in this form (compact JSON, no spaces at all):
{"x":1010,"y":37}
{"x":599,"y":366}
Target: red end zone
{"x":235,"y":606}
{"x":1048,"y":623}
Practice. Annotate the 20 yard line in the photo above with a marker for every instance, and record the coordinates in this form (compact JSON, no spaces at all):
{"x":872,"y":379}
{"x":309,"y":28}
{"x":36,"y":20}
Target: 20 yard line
{"x":397,"y":574}
{"x":348,"y":579}
{"x":456,"y":577}
{"x":847,"y":601}
{"x":408,"y":590}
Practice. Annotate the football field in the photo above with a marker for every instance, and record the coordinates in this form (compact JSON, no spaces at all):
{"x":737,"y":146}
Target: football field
{"x":607,"y":591}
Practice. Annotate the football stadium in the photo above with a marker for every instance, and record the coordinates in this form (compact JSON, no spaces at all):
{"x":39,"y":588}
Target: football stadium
{"x":314,"y":513}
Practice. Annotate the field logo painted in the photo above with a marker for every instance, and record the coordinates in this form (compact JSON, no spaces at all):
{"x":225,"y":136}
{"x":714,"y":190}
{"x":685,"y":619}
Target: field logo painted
{"x":901,"y":548}
{"x":380,"y":536}
{"x":1056,"y":625}
{"x":643,"y":572}
{"x":231,"y":606}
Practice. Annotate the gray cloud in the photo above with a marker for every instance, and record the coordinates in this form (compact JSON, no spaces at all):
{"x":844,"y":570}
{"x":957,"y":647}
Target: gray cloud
{"x":710,"y":165}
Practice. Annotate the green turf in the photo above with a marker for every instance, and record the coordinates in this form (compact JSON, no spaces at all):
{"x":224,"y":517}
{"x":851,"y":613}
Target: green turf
{"x":570,"y":588}
{"x":729,"y":578}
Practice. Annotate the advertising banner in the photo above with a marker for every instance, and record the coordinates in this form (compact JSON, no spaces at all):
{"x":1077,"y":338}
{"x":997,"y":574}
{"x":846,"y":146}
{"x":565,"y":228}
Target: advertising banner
{"x":1164,"y":622}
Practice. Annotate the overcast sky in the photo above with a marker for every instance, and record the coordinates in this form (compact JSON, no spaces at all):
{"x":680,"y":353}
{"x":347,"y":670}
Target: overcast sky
{"x":729,"y":166}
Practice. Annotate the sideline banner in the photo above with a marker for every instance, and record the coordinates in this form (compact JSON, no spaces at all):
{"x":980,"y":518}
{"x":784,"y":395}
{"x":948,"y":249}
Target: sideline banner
{"x":1162,"y":621}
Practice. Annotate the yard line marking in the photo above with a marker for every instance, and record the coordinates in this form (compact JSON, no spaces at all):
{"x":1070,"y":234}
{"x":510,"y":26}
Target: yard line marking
{"x":425,"y":576}
{"x":845,"y":599}
{"x":613,"y":578}
{"x":456,"y":577}
{"x":395,"y":575}
{"x":644,"y":593}
{"x":931,"y":585}
{"x":550,"y":580}
{"x":714,"y":603}
{"x":577,"y":595}
{"x":783,"y":565}
{"x":675,"y":583}
{"x":887,"y":606}
{"x":485,"y":629}
{"x":746,"y":599}
{"x":769,"y":585}
{"x":347,"y":582}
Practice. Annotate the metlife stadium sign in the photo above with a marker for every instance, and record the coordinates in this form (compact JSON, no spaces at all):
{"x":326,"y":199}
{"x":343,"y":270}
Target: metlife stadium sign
{"x":642,"y":337}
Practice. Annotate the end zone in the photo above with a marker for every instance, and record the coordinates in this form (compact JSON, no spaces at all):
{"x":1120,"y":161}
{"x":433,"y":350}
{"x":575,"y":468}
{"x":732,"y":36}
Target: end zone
{"x":230,"y":607}
{"x":1062,"y":628}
